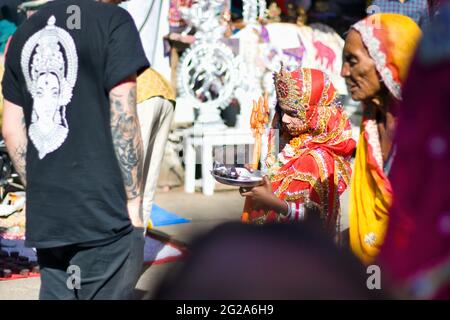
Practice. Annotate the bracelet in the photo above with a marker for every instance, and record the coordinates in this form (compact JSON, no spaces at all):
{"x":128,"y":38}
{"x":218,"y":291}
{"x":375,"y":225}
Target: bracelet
{"x":294,"y":207}
{"x":296,"y":211}
{"x":302,"y":212}
{"x":289,"y":213}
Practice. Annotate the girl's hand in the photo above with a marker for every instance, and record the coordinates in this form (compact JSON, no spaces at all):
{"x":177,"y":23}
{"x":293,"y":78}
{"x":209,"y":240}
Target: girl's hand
{"x":262,"y":196}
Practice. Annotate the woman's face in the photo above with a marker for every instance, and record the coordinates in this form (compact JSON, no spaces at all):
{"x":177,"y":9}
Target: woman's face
{"x":358,"y":69}
{"x":46,"y":98}
{"x":290,"y":121}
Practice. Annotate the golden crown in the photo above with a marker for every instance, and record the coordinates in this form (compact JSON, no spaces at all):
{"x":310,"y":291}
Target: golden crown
{"x":288,"y":91}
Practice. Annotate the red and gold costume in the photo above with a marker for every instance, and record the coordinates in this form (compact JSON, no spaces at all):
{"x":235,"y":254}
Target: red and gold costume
{"x":314,"y":166}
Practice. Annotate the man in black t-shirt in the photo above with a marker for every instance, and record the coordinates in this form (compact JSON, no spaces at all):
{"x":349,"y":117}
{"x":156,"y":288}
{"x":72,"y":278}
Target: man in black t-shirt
{"x":71,"y":129}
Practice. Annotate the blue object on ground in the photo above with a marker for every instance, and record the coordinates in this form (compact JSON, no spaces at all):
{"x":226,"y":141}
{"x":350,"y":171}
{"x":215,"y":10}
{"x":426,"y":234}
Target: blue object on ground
{"x":18,"y":245}
{"x":161,"y":217}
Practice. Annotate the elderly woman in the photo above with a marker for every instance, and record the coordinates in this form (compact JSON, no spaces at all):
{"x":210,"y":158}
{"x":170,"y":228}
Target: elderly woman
{"x":376,"y":55}
{"x":312,"y":169}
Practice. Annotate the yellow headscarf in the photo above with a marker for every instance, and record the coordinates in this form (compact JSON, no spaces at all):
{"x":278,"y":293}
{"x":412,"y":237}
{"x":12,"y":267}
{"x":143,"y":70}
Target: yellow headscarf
{"x":391,"y":40}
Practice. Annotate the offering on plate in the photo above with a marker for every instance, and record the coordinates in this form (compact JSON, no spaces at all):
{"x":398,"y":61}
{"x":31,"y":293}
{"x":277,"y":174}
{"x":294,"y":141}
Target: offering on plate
{"x":222,"y":171}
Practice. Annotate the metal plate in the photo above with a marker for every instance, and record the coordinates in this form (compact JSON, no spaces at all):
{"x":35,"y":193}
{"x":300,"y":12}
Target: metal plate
{"x":246,"y":178}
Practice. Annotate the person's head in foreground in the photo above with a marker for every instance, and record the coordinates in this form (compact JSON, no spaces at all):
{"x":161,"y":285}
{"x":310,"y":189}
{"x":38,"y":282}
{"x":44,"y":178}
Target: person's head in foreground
{"x":275,"y":261}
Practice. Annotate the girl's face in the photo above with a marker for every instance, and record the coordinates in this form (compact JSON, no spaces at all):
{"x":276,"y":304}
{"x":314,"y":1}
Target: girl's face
{"x":291,"y":122}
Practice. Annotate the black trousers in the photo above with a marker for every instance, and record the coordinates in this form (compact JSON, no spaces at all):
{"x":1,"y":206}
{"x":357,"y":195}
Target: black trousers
{"x":105,"y":272}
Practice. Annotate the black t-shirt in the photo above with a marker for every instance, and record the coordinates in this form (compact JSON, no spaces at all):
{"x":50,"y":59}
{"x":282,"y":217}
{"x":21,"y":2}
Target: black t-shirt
{"x":62,"y":78}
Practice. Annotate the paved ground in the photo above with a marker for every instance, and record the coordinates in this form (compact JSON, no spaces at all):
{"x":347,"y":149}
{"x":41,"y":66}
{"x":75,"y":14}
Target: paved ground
{"x":205,"y":213}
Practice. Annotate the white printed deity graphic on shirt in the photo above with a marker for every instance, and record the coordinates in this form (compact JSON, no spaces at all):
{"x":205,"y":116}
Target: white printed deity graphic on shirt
{"x":49,"y":63}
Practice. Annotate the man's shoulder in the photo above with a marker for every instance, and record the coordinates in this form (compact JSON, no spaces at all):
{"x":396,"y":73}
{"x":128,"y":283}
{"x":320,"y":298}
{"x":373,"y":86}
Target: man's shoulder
{"x":94,"y":12}
{"x":86,"y":8}
{"x":106,"y":10}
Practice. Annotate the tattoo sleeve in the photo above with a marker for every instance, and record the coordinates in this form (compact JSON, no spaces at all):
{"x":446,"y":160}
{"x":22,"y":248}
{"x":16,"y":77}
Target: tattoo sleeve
{"x":18,"y":151}
{"x":126,"y":135}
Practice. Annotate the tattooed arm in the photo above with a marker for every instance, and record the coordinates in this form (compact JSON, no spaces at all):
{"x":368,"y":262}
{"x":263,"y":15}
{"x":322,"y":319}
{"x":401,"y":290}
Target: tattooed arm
{"x":15,"y":135}
{"x":126,"y":134}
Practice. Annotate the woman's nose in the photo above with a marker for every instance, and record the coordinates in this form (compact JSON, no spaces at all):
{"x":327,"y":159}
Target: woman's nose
{"x":345,"y":70}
